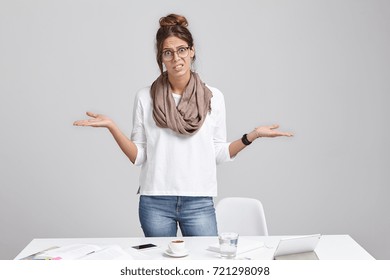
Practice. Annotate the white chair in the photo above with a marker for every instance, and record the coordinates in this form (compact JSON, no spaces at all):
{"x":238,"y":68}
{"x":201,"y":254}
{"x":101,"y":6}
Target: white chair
{"x":242,"y":215}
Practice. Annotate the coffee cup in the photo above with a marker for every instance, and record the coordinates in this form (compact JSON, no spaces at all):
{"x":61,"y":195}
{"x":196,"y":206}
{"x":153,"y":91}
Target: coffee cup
{"x":177,"y":246}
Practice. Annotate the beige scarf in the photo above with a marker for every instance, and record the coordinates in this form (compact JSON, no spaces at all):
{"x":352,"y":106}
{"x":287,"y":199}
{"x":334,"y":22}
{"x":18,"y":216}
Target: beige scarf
{"x":189,"y":115}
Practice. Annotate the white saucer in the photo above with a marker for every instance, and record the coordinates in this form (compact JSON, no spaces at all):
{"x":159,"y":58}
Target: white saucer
{"x":176,"y":255}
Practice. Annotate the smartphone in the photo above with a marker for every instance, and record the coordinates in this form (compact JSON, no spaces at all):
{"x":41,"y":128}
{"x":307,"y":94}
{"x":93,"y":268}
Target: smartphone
{"x":144,"y":246}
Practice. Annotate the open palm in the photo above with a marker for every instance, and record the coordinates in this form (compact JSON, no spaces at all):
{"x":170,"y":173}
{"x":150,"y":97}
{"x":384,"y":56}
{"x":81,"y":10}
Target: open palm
{"x":270,"y":131}
{"x":96,"y":120}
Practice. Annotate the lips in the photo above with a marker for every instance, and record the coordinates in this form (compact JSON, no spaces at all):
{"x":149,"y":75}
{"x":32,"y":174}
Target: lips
{"x":178,"y":67}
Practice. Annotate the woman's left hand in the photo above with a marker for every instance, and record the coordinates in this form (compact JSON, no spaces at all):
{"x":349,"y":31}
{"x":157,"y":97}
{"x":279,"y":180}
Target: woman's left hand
{"x":270,"y":131}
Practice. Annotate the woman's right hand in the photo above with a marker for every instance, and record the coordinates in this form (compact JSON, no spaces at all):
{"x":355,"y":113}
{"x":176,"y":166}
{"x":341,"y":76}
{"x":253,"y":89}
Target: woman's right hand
{"x":96,"y":120}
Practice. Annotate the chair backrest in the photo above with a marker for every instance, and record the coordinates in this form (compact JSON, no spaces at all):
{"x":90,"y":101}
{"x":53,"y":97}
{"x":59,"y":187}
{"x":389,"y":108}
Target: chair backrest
{"x":242,"y":215}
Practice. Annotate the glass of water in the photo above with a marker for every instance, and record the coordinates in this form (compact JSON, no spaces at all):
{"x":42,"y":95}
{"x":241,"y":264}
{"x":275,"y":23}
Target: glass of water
{"x":228,"y":244}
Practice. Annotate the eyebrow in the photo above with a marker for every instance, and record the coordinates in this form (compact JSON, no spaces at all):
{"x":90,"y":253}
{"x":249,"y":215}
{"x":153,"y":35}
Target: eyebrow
{"x":169,"y":49}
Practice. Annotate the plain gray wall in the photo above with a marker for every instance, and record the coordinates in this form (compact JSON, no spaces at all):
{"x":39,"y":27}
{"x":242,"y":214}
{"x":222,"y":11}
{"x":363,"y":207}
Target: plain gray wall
{"x":320,"y":69}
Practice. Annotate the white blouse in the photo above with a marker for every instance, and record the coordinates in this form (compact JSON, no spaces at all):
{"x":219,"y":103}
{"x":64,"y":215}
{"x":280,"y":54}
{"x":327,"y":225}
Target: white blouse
{"x":174,"y":164}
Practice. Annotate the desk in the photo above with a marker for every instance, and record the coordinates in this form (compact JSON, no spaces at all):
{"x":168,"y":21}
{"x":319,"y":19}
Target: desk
{"x":330,"y":247}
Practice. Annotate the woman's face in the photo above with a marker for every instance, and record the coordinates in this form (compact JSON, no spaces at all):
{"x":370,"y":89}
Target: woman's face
{"x":174,"y":50}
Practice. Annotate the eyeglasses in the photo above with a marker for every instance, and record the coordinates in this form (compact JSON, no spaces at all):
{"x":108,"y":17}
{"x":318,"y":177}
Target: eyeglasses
{"x":182,"y":52}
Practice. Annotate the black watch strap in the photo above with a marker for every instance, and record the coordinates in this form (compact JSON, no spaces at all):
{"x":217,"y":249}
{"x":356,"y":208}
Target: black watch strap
{"x":245,"y":140}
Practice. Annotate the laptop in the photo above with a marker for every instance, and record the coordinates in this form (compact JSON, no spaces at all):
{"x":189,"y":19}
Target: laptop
{"x":297,"y":248}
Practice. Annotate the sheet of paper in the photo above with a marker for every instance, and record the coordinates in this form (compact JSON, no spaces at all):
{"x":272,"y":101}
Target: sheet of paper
{"x":71,"y":252}
{"x":113,"y":252}
{"x":244,"y":245}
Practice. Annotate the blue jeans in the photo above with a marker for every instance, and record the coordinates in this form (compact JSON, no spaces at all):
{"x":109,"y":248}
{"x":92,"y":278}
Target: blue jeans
{"x":160,"y":215}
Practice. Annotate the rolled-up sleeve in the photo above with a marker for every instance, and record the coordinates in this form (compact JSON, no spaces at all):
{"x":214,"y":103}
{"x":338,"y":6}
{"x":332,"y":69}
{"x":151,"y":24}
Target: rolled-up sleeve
{"x":138,"y":135}
{"x":221,"y":147}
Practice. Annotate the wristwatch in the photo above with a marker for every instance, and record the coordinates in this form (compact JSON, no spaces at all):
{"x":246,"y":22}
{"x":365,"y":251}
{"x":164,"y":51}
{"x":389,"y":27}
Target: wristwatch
{"x":245,"y":140}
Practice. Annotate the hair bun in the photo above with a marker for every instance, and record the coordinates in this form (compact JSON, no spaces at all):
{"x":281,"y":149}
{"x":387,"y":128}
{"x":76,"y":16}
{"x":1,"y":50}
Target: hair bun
{"x":172,"y":20}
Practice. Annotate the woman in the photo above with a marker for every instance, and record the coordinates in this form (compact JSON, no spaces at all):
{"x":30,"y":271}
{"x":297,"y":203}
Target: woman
{"x":178,"y":137}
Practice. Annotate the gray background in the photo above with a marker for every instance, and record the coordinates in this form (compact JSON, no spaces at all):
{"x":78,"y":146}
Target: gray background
{"x":321,"y":69}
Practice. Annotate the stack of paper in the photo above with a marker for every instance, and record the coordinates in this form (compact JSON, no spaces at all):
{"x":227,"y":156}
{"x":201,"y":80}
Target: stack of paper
{"x":81,"y":251}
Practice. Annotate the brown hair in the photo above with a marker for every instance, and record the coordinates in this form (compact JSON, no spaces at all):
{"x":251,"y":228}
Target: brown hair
{"x":172,"y":25}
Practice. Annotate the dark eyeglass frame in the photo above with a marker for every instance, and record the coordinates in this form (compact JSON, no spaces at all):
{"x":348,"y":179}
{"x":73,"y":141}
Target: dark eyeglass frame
{"x":173,"y":53}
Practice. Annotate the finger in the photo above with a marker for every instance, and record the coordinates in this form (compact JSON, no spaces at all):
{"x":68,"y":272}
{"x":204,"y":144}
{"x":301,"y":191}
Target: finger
{"x":93,"y":115}
{"x":274,"y":126}
{"x":288,"y":134}
{"x":80,"y":123}
{"x":77,"y":122}
{"x":94,"y":120}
